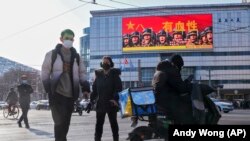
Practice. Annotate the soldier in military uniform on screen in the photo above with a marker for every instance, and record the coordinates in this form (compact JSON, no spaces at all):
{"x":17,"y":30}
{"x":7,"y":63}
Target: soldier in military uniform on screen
{"x":147,"y":38}
{"x":125,"y":39}
{"x":135,"y":39}
{"x":162,"y":38}
{"x":178,"y":38}
{"x":209,"y":35}
{"x":203,"y":38}
{"x":192,"y":38}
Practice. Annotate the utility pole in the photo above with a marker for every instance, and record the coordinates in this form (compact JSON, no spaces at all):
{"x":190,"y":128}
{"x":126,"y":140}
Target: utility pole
{"x":139,"y":73}
{"x":209,"y":75}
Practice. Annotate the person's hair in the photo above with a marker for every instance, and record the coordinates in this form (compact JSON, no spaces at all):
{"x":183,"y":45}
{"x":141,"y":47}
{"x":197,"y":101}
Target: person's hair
{"x":110,"y":60}
{"x":163,"y":65}
{"x":67,"y":31}
{"x":177,"y":60}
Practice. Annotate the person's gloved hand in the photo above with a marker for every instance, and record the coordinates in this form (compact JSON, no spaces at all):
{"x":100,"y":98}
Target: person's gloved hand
{"x":115,"y":105}
{"x":88,"y":108}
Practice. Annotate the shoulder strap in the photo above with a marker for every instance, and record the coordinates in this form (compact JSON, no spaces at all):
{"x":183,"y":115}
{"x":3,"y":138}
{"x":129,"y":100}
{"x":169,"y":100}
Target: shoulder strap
{"x":53,"y":58}
{"x":56,"y":51}
{"x":77,"y":58}
{"x":75,"y":55}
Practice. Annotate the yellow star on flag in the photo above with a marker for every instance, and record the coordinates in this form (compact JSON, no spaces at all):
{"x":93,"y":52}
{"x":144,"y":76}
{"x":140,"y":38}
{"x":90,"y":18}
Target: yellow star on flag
{"x":130,"y":25}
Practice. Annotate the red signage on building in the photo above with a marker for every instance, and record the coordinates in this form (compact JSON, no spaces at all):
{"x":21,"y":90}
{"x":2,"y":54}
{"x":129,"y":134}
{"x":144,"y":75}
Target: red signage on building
{"x":174,"y":32}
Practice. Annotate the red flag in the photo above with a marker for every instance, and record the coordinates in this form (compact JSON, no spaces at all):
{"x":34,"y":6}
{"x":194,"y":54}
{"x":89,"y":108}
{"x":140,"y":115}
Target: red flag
{"x":125,"y":61}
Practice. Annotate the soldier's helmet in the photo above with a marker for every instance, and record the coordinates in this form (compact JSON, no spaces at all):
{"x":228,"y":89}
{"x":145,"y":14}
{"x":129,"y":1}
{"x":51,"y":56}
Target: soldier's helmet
{"x":193,"y":32}
{"x":208,"y":29}
{"x":125,"y":36}
{"x":183,"y":33}
{"x":134,"y":34}
{"x":203,"y":33}
{"x":162,"y":33}
{"x":147,"y":31}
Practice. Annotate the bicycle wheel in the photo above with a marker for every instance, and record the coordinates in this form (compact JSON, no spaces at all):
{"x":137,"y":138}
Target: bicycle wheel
{"x":5,"y":112}
{"x":15,"y":110}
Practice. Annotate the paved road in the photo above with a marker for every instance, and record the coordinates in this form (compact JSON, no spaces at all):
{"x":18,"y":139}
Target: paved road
{"x":82,"y":127}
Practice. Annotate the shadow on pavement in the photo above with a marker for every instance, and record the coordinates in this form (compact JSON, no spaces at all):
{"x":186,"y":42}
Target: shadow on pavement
{"x":41,"y":133}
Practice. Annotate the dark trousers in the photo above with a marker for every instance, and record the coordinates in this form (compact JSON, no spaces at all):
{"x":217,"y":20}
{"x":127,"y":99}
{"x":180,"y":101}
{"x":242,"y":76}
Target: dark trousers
{"x":61,"y":108}
{"x":100,"y":118}
{"x":24,"y":116}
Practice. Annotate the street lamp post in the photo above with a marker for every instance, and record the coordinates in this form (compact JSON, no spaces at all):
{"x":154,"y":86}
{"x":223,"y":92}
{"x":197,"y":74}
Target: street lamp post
{"x":218,"y":93}
{"x":209,"y":76}
{"x":219,"y":87}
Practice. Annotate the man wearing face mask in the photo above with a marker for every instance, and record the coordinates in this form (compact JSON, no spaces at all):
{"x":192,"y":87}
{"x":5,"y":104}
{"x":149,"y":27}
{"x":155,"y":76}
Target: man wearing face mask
{"x":106,"y":86}
{"x":24,"y":90}
{"x":63,"y":72}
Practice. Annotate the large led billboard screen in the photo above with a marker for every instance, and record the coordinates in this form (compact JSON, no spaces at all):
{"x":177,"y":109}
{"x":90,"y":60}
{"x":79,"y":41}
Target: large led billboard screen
{"x":164,"y":33}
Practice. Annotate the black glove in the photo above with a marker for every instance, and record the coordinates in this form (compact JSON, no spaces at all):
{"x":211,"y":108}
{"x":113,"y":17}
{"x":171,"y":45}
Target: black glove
{"x":114,"y":104}
{"x":89,"y":107}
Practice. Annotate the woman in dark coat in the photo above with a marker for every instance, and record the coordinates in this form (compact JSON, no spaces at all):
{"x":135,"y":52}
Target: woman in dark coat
{"x":106,"y":86}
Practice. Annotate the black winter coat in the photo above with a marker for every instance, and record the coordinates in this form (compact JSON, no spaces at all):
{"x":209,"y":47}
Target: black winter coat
{"x":105,"y":88}
{"x":173,"y":94}
{"x":12,"y":97}
{"x":24,"y":91}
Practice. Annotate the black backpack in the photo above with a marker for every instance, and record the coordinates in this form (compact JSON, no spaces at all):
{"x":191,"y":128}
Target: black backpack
{"x":74,"y":55}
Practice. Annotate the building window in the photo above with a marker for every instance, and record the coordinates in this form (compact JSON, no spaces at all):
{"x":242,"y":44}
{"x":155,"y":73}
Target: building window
{"x":147,"y":75}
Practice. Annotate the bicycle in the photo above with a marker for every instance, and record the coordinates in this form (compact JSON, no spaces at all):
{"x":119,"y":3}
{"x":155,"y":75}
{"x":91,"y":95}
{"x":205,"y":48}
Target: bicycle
{"x":13,"y":114}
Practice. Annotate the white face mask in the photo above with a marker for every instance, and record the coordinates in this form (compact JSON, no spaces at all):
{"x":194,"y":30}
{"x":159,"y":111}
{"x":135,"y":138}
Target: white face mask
{"x":24,"y":81}
{"x":67,"y":43}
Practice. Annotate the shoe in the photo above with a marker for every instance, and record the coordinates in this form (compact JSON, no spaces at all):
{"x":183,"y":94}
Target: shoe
{"x":27,"y":126}
{"x":134,"y":121}
{"x":19,"y":124}
{"x":115,"y":138}
{"x":97,"y":139}
{"x":134,"y":124}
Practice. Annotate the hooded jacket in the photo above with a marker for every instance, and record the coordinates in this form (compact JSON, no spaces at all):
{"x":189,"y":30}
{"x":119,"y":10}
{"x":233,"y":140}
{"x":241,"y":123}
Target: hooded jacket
{"x":105,"y":88}
{"x":51,"y":73}
{"x":173,"y":94}
{"x":24,"y":91}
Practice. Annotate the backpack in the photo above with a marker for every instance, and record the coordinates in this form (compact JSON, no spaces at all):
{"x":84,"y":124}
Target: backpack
{"x":56,"y":51}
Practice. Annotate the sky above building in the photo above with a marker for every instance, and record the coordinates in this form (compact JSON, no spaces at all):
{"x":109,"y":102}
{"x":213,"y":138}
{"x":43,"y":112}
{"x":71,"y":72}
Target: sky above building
{"x":30,"y":28}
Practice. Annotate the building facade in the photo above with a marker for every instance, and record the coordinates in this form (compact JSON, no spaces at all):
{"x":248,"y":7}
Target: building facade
{"x":228,"y":63}
{"x":84,"y":48}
